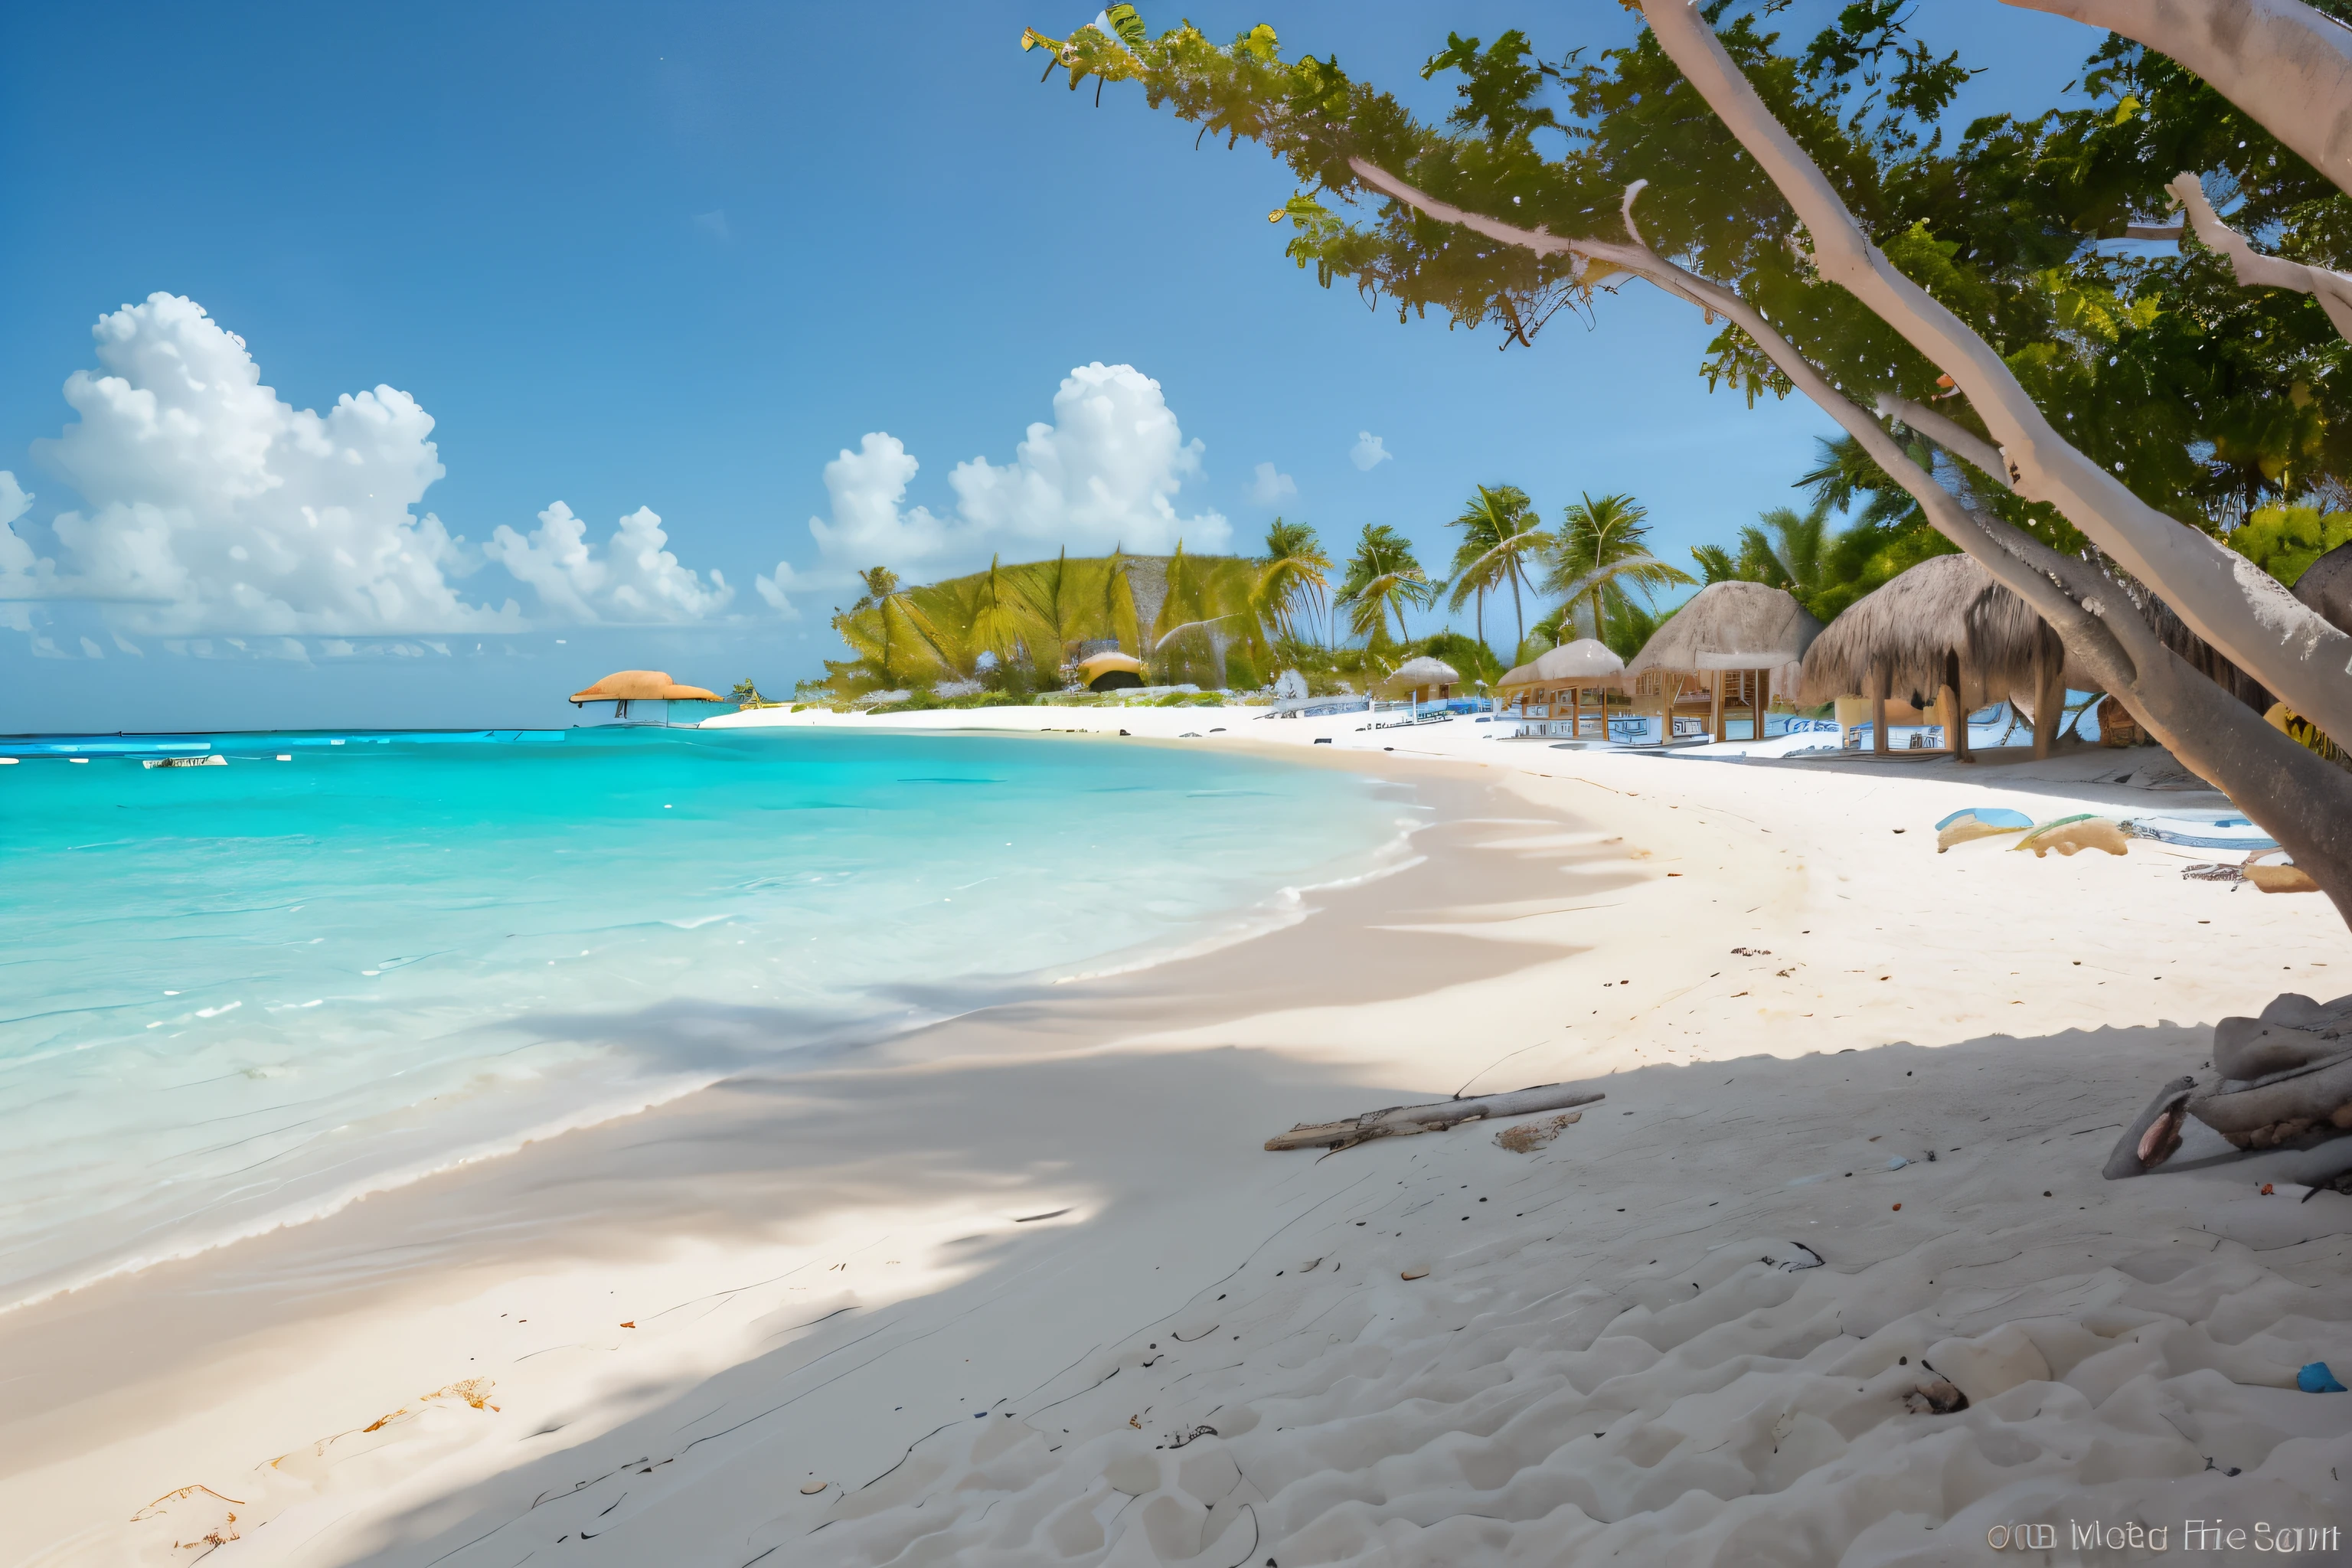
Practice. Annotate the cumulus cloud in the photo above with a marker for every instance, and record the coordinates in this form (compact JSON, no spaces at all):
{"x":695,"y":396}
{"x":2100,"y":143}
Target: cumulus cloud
{"x":776,"y":590}
{"x":869,"y":526}
{"x":211,"y":504}
{"x":1107,"y":471}
{"x":633,"y":580}
{"x":1368,"y":452}
{"x":22,"y":575}
{"x":1266,"y":486}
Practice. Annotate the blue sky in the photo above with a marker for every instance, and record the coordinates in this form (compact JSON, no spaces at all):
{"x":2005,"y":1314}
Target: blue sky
{"x":681,"y":259}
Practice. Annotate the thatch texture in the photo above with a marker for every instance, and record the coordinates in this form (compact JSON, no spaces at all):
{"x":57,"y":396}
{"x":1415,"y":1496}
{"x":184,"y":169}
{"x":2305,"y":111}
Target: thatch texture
{"x":1730,"y":625}
{"x":1946,"y":604}
{"x":1423,"y":674}
{"x":635,"y":684}
{"x":1725,"y":627}
{"x":2326,"y":586}
{"x":1584,"y":662}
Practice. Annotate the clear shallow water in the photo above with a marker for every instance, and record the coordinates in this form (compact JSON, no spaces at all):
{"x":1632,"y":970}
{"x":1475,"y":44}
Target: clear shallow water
{"x":231,"y":996}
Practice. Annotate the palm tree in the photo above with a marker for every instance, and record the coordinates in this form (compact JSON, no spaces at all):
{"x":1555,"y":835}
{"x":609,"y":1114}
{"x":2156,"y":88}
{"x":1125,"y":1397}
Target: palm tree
{"x":879,"y":582}
{"x":1053,"y":596}
{"x":1500,"y":530}
{"x":1383,"y":577}
{"x":1296,"y":573}
{"x":999,"y":614}
{"x":1602,"y":552}
{"x":1786,"y":548}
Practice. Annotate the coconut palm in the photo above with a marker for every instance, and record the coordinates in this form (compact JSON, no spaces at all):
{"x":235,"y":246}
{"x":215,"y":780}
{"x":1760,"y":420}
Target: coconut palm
{"x":1501,"y":531}
{"x":1056,"y":596}
{"x":1601,"y":554}
{"x":1000,"y":620}
{"x":1296,"y":576}
{"x":1383,"y":578}
{"x":879,"y":582}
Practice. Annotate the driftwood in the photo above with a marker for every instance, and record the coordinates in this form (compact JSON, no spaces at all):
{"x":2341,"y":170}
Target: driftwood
{"x":1402,"y":1120}
{"x":2278,"y":1078}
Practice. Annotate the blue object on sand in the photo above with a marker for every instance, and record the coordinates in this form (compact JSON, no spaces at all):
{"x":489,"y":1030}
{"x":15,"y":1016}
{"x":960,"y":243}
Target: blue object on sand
{"x":2207,"y":831}
{"x":1991,"y":816}
{"x":2316,"y":1379}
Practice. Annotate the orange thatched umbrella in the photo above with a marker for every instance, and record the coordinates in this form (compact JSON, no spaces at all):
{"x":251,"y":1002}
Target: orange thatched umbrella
{"x":626,"y":686}
{"x":630,"y":685}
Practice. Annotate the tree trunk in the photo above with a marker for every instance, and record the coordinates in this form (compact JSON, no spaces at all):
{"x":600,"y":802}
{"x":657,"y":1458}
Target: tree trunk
{"x":2222,"y":596}
{"x":2297,"y":798}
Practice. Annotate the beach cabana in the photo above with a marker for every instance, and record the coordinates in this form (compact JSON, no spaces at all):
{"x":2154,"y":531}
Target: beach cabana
{"x":626,"y":686}
{"x":1421,"y":679}
{"x":1732,"y":646}
{"x":1109,"y":670}
{"x":1940,"y":640}
{"x":1558,"y":678}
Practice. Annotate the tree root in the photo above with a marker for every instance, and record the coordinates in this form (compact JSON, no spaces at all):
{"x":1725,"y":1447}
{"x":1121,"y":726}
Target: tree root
{"x":2278,"y":1077}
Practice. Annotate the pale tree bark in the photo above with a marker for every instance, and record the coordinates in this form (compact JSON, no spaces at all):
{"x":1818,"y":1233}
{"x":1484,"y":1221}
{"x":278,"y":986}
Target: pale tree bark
{"x":2286,"y":65}
{"x":2300,"y":799}
{"x":2256,"y":271}
{"x":2222,"y":596}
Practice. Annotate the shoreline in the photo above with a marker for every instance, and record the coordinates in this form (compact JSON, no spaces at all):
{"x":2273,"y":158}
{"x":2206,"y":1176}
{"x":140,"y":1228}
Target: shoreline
{"x":1133,"y":1105}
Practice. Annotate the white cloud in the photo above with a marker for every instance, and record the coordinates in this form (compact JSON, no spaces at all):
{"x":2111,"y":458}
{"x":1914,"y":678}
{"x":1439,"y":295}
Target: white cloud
{"x":1267,"y":487}
{"x":1368,"y":452}
{"x":868,"y":528}
{"x":91,"y":650}
{"x":775,"y":590}
{"x":1105,"y":472}
{"x":22,"y":576}
{"x":211,"y":504}
{"x":714,"y":224}
{"x":633,"y":581}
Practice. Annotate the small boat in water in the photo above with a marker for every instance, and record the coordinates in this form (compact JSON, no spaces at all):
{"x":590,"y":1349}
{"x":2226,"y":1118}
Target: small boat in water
{"x":183,"y":761}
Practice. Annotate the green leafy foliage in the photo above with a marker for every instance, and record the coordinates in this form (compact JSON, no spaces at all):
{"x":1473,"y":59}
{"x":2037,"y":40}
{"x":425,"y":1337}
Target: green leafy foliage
{"x":1384,"y":578}
{"x":2208,"y":399}
{"x":2284,"y":540}
{"x":1600,"y":561}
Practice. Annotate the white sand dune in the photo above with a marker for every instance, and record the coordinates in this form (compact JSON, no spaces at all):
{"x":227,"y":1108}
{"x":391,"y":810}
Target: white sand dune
{"x":1025,"y":1289}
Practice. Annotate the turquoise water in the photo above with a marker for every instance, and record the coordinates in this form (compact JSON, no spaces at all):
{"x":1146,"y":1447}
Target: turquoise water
{"x":236,"y":995}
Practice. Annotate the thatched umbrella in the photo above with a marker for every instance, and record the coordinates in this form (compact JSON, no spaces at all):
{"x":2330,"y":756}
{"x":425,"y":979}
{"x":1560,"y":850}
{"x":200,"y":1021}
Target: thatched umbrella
{"x":1944,"y":624}
{"x":1749,"y":635}
{"x":623,"y":687}
{"x":1570,"y":670}
{"x":1415,"y":676}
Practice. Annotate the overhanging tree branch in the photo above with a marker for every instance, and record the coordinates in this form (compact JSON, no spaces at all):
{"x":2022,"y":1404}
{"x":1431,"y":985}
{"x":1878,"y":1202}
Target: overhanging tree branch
{"x":2222,"y":596}
{"x":2286,"y":65}
{"x":2255,"y":271}
{"x":2303,"y":801}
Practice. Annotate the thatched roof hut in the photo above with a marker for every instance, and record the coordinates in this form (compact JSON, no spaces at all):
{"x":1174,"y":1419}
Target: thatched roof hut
{"x":2326,"y":586}
{"x":1732,"y":627}
{"x":1434,"y":676}
{"x":1908,"y":629}
{"x":1585,"y":662}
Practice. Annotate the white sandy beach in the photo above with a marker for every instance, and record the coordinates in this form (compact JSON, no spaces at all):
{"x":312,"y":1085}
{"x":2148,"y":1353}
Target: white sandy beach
{"x":1024,"y":1289}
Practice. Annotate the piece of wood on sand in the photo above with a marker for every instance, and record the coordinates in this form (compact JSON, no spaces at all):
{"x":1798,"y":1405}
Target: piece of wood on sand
{"x":1403,"y":1121}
